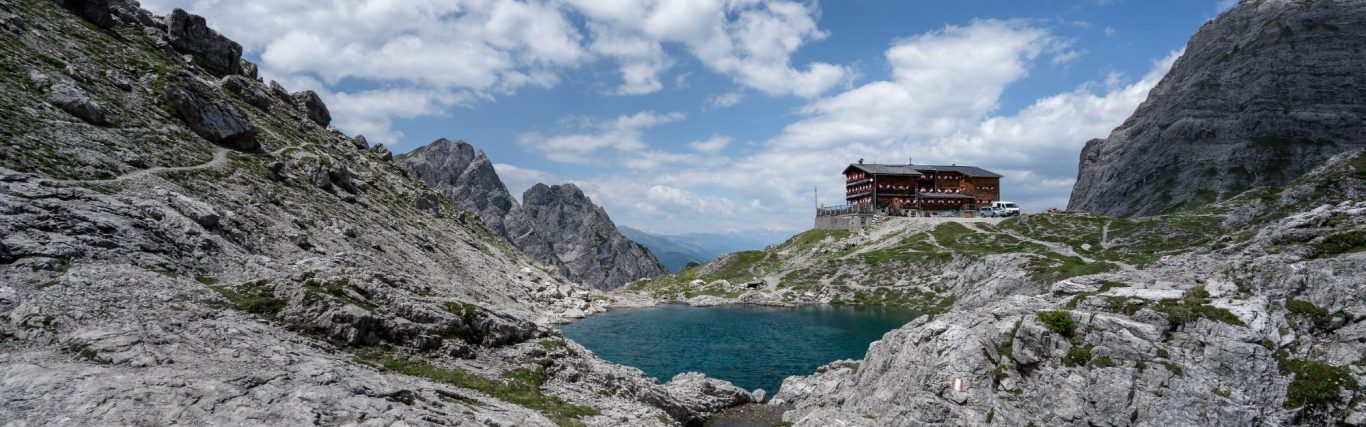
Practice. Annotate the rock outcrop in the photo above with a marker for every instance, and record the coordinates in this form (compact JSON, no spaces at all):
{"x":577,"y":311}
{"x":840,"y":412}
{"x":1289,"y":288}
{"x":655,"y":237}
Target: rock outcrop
{"x":190,"y":34}
{"x":214,"y":119}
{"x":586,"y":242}
{"x":64,"y":94}
{"x":1262,"y":94}
{"x":557,"y":226}
{"x":466,"y":177}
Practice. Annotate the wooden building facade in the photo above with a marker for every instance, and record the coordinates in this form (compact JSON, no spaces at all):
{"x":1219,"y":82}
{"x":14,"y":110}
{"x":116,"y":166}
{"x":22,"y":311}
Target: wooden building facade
{"x":920,"y":187}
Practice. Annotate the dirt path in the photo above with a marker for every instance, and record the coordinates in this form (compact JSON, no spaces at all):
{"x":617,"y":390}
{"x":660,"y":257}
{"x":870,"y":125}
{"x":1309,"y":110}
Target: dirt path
{"x":220,"y":159}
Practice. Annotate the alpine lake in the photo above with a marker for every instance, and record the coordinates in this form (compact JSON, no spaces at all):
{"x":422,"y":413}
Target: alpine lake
{"x":750,"y":346}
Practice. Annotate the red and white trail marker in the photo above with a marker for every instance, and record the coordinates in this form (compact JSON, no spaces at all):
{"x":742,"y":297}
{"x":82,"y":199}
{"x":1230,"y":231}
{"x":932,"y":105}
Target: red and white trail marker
{"x":958,"y":384}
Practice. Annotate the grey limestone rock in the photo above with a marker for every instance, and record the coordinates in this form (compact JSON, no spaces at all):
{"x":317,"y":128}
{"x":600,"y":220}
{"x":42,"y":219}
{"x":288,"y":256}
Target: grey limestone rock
{"x":209,"y":116}
{"x":1292,"y":72}
{"x":466,"y":177}
{"x":585,"y":240}
{"x":190,"y":34}
{"x":360,"y":142}
{"x":66,"y":95}
{"x":11,"y":22}
{"x":557,"y":226}
{"x":251,"y":91}
{"x":313,"y":107}
{"x":110,"y":13}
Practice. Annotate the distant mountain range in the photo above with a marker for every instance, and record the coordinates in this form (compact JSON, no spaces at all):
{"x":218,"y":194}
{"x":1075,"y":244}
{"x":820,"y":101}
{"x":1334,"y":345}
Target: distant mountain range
{"x":678,"y":250}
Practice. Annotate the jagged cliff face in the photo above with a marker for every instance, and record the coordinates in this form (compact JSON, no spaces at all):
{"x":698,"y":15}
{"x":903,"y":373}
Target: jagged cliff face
{"x":586,"y":242}
{"x":557,"y":226}
{"x":1262,"y":94}
{"x":467,"y":178}
{"x":181,"y":243}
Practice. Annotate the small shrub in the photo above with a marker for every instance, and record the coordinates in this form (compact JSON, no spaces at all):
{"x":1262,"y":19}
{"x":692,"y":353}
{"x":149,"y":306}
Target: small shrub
{"x":853,"y":366}
{"x":553,"y":344}
{"x":1320,"y":316}
{"x":1317,"y":385}
{"x":1059,"y":321}
{"x":1103,"y":362}
{"x":998,"y":374}
{"x":1174,"y":368}
{"x":1078,"y":355}
{"x":253,"y":297}
{"x":1222,"y":392}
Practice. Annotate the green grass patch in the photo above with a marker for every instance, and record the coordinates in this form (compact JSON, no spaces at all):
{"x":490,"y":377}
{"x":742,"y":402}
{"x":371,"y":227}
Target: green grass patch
{"x":1078,"y":355}
{"x":1060,"y":322}
{"x":1341,"y":243}
{"x":554,"y":344}
{"x":1316,"y":385}
{"x":251,"y":297}
{"x":1195,"y":305}
{"x":811,"y":237}
{"x":1321,"y":318}
{"x":521,"y":386}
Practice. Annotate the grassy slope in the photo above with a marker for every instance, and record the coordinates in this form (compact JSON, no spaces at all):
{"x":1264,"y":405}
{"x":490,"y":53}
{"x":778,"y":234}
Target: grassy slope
{"x":898,"y":269}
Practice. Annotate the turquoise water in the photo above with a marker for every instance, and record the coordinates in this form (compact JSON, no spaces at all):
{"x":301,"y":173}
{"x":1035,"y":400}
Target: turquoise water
{"x":750,"y":346}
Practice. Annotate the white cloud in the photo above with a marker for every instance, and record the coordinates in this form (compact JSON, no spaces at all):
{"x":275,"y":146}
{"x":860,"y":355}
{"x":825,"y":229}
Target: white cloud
{"x":725,"y":100}
{"x":479,"y":49}
{"x":519,"y":179}
{"x":711,"y":145}
{"x":938,"y":107}
{"x":751,"y":41}
{"x":621,"y":135}
{"x":1225,"y":5}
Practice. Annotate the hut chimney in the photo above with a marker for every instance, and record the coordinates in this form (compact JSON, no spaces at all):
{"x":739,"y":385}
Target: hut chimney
{"x":860,"y":161}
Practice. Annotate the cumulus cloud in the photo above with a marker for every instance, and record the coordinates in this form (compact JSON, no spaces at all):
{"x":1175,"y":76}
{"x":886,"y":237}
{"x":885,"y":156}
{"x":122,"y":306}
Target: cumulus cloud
{"x":939,"y":106}
{"x":711,"y":145}
{"x":479,"y":49}
{"x":519,"y":179}
{"x":621,"y":135}
{"x":725,"y":100}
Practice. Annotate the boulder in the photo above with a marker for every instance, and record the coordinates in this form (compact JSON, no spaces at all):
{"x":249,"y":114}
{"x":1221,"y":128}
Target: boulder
{"x":11,"y":22}
{"x":313,"y":106}
{"x":383,"y":152}
{"x":279,"y":92}
{"x":250,"y":70}
{"x":208,"y":116}
{"x":427,"y":202}
{"x":211,"y":51}
{"x":64,"y":94}
{"x":360,"y":142}
{"x":703,"y":396}
{"x":110,"y":13}
{"x":321,"y":177}
{"x":342,"y":177}
{"x":247,"y":90}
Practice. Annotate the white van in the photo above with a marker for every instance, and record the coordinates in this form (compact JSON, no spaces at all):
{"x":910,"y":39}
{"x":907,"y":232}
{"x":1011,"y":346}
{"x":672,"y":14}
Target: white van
{"x":1008,"y":208}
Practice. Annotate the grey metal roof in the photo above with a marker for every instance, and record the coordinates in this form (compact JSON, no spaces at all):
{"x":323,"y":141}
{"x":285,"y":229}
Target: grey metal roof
{"x":886,"y":169}
{"x":880,"y":169}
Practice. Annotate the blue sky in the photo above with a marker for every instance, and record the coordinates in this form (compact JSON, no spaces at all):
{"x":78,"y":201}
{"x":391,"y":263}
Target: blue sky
{"x":724,"y":115}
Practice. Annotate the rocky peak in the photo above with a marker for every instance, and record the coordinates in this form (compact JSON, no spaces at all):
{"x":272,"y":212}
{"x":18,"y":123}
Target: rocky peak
{"x":585,"y":239}
{"x":1262,"y":94}
{"x":466,"y":177}
{"x":553,"y":234}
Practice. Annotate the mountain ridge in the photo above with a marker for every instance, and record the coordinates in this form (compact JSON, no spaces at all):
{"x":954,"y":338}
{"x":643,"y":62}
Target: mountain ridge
{"x":1291,"y":69}
{"x":547,"y":224}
